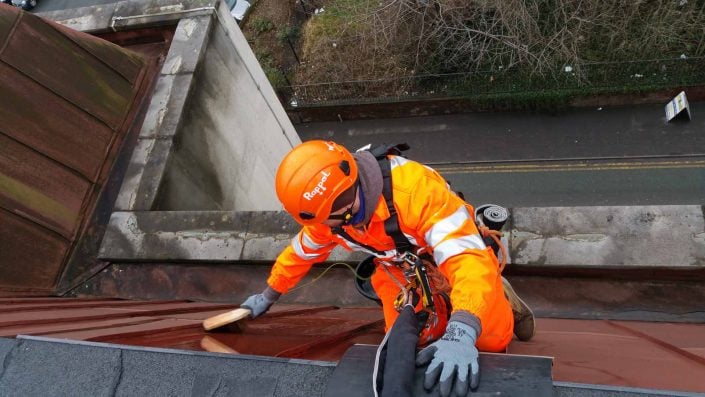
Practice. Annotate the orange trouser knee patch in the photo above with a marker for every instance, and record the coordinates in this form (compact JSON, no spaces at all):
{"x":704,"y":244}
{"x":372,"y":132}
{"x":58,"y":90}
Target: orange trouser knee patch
{"x":498,"y":327}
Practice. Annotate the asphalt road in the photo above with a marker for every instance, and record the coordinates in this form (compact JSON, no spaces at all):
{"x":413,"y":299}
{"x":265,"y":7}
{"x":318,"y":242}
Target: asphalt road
{"x":610,"y":156}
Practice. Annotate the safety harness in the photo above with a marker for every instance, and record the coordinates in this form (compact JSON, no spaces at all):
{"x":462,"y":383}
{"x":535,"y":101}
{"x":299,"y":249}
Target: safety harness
{"x":416,"y":269}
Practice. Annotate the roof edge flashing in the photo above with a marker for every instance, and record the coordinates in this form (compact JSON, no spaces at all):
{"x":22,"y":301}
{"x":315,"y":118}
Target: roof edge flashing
{"x":623,"y":390}
{"x":45,"y":339}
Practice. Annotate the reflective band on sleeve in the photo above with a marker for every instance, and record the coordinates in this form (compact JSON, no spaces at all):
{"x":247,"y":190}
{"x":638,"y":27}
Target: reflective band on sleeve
{"x":299,"y":249}
{"x":310,"y":244}
{"x":456,"y":246}
{"x":444,"y":227}
{"x":397,"y":161}
{"x":411,"y":239}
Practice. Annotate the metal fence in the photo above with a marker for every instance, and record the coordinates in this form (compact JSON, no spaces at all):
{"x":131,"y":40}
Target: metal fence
{"x":583,"y":78}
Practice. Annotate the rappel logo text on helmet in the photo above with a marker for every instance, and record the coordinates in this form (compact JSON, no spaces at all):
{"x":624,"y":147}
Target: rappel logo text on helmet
{"x":331,"y":147}
{"x":320,"y":187}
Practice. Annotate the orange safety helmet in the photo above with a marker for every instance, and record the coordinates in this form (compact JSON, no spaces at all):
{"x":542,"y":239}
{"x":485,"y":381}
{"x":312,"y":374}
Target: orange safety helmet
{"x":311,"y":177}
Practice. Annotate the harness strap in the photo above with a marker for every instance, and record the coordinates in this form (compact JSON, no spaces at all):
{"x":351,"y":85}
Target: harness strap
{"x":391,"y":225}
{"x":342,"y":233}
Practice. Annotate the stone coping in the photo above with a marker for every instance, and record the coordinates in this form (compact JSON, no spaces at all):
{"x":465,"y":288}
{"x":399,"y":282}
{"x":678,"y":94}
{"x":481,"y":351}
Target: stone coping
{"x":629,"y":236}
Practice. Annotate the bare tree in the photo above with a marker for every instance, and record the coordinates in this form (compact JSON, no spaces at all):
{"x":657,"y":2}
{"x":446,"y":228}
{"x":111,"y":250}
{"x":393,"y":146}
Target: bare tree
{"x":391,"y":39}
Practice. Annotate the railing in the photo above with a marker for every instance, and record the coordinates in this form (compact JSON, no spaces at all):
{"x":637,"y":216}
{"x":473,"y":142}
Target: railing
{"x":631,"y":76}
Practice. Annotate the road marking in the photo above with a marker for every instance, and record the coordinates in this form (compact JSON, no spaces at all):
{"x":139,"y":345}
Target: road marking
{"x":513,"y":168}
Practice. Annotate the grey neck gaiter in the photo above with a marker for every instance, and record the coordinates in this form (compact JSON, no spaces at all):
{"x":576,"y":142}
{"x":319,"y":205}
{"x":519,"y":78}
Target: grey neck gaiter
{"x":370,"y":181}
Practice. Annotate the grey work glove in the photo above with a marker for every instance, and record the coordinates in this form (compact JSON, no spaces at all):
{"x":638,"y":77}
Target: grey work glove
{"x":453,"y":357}
{"x":260,"y":303}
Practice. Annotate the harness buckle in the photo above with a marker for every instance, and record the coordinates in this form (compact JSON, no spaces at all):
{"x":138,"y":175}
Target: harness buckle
{"x":410,"y":258}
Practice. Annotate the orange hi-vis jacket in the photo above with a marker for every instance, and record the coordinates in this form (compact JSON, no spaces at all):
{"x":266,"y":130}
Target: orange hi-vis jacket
{"x":431,"y":216}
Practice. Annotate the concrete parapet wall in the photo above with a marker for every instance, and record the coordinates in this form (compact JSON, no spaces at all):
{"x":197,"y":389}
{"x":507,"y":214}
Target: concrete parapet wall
{"x":217,"y":236}
{"x":233,"y":134}
{"x":671,"y":236}
{"x":668,"y":236}
{"x":214,"y":132}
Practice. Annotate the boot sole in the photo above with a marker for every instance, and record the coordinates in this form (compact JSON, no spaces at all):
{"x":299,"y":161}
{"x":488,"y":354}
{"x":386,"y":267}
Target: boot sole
{"x":526,"y":314}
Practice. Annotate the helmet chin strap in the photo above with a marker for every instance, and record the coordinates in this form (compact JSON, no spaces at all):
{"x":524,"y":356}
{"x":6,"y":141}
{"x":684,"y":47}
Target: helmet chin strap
{"x":346,"y":216}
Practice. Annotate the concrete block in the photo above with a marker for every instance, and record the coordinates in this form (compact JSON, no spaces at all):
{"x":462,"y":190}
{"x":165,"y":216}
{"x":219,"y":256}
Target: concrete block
{"x":152,"y":174}
{"x":268,"y":234}
{"x":137,"y":13}
{"x":265,"y":248}
{"x":243,"y":50}
{"x":188,"y":45}
{"x":129,"y":14}
{"x":671,"y":236}
{"x":272,"y":223}
{"x":225,"y":154}
{"x":222,"y":144}
{"x":91,"y":19}
{"x":133,"y":176}
{"x":171,"y":236}
{"x":144,"y":174}
{"x":167,"y":106}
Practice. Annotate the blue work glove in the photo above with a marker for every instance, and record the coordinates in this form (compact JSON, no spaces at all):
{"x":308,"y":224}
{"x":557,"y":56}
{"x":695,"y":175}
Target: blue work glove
{"x":453,"y":357}
{"x":260,"y":303}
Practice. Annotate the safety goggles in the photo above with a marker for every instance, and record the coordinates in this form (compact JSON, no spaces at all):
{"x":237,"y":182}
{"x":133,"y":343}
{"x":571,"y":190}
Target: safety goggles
{"x":346,"y":199}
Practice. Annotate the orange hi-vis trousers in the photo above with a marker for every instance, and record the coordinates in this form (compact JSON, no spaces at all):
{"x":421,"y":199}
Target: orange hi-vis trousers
{"x":496,"y":333}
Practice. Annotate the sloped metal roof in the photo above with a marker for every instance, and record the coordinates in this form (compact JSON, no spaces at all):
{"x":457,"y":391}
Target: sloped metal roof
{"x":648,"y":355}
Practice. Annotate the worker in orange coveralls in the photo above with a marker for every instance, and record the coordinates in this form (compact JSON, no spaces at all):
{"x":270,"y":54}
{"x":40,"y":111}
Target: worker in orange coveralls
{"x":338,"y":198}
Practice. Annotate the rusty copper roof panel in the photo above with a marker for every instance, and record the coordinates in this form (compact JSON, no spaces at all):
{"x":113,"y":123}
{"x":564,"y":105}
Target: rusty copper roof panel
{"x":69,"y":70}
{"x":668,"y":356}
{"x":663,"y":356}
{"x":69,"y":101}
{"x":39,"y":189}
{"x":39,"y":250}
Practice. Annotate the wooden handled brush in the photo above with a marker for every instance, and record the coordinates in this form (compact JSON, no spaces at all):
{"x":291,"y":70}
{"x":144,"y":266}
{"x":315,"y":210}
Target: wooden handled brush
{"x":226,"y":318}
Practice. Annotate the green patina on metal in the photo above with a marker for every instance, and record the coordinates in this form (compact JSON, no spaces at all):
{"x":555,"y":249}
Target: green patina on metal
{"x":36,"y":201}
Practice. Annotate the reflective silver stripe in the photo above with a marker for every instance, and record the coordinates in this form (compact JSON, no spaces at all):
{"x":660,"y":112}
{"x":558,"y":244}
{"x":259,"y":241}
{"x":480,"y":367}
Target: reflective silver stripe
{"x":397,"y":161}
{"x":299,"y":250}
{"x":310,"y":244}
{"x":411,"y":239}
{"x":456,"y":246}
{"x":444,"y":227}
